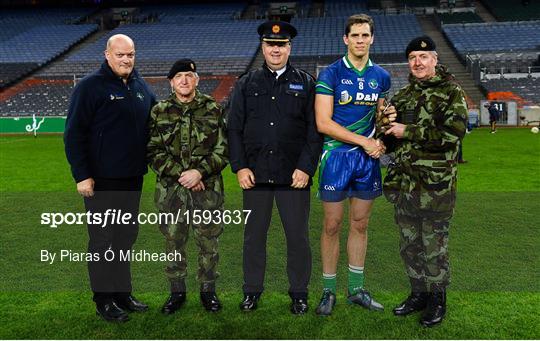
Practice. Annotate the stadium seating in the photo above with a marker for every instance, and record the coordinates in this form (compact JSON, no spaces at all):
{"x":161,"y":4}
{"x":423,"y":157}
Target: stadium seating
{"x":494,"y":37}
{"x":181,"y":40}
{"x":399,"y":74}
{"x":29,"y":39}
{"x":322,"y":37}
{"x":511,"y":62}
{"x":342,"y":8}
{"x":505,"y":10}
{"x":40,"y":97}
{"x":51,"y":96}
{"x":419,"y":3}
{"x":459,"y":18}
{"x":527,"y":88}
{"x":9,"y":72}
{"x":203,"y":12}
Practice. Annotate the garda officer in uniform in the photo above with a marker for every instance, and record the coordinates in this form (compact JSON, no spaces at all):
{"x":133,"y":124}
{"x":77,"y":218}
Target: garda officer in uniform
{"x":274,"y":149}
{"x":432,"y":115}
{"x":187,"y":150}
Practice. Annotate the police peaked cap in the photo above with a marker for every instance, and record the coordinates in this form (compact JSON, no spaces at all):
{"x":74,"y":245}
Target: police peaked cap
{"x":276,"y":31}
{"x":182,"y":65}
{"x":423,"y":43}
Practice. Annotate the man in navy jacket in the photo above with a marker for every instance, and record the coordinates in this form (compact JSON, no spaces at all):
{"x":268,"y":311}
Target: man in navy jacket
{"x":105,"y":143}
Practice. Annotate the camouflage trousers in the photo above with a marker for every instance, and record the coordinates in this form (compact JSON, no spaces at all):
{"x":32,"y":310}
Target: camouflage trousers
{"x":206,"y":238}
{"x":424,"y":249}
{"x":177,"y":233}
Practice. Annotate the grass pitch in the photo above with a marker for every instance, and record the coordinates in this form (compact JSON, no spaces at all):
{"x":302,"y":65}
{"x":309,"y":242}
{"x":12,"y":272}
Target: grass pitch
{"x":494,"y":254}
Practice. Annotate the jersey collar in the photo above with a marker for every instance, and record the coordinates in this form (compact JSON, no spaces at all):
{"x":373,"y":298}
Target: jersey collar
{"x":349,"y":65}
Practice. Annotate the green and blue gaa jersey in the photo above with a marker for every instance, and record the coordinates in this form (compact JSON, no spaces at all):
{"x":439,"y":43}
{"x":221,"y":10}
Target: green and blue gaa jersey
{"x":355,"y":97}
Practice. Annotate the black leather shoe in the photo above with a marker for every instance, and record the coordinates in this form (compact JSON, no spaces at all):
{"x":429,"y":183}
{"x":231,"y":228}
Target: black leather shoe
{"x":111,"y":312}
{"x":435,"y":310}
{"x":327,"y":303}
{"x":130,"y":303}
{"x":174,"y":302}
{"x":417,"y":301}
{"x":249,"y":302}
{"x":210,"y":301}
{"x":299,"y":306}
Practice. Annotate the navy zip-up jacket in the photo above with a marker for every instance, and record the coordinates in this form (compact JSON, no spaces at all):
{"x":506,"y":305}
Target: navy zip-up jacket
{"x":106,"y":128}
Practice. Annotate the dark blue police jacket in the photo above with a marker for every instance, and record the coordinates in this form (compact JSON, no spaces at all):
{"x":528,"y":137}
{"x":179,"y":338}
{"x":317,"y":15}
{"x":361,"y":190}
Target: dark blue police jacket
{"x":106,"y":128}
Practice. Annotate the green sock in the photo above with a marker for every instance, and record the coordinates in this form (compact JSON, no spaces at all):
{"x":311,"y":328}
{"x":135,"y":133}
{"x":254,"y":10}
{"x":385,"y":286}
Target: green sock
{"x":329,"y":282}
{"x":356,"y":278}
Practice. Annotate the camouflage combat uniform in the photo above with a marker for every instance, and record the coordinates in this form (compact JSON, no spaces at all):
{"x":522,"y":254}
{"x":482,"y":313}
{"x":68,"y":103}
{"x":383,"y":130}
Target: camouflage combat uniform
{"x":187,"y":136}
{"x":422,"y":181}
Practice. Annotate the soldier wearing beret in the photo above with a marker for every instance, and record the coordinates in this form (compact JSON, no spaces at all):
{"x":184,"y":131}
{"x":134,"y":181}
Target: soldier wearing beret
{"x":421,"y":183}
{"x":187,"y":150}
{"x":274,"y":149}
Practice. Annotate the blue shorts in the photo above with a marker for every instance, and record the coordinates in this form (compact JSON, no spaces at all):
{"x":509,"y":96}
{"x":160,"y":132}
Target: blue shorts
{"x":346,"y":174}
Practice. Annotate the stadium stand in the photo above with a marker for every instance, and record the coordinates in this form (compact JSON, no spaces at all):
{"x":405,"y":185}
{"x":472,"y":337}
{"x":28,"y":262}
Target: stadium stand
{"x":179,"y":28}
{"x":203,"y":12}
{"x":526,"y":88}
{"x":344,"y":8}
{"x":321,"y":38}
{"x":494,"y":37}
{"x":419,"y":3}
{"x":30,"y":39}
{"x":399,"y":74}
{"x":505,"y":10}
{"x":459,"y":18}
{"x":10,"y":72}
{"x":507,"y":62}
{"x":51,"y":96}
{"x":181,"y":40}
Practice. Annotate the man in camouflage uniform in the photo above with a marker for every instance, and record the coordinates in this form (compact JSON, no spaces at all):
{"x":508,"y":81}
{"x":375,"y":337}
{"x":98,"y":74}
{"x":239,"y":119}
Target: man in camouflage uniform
{"x":187,"y":150}
{"x":421,"y":183}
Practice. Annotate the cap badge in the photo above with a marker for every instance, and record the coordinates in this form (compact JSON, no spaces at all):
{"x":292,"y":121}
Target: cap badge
{"x":276,"y":29}
{"x":423,"y":44}
{"x":192,"y":66}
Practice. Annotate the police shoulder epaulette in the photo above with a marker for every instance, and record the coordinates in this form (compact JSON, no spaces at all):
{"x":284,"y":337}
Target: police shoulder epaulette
{"x":248,"y":72}
{"x":307,"y":73}
{"x":242,"y":75}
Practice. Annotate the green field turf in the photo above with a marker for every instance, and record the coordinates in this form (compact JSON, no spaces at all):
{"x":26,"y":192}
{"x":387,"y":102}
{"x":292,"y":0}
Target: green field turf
{"x":494,"y":253}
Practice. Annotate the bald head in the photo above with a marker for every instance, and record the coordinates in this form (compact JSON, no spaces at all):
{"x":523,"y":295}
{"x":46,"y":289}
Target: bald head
{"x":120,"y":38}
{"x":120,"y":55}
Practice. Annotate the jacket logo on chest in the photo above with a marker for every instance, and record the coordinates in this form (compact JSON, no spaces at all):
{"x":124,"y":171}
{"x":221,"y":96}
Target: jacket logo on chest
{"x":293,"y":86}
{"x":140,"y":96}
{"x":116,"y":97}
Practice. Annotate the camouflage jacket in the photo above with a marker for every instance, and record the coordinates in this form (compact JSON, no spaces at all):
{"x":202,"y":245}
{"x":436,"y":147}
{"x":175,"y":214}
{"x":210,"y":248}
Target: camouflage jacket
{"x":187,"y":136}
{"x":423,"y":177}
